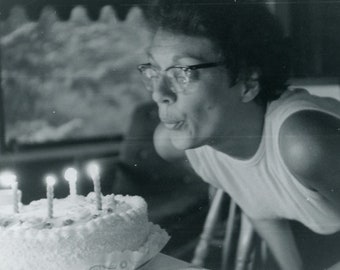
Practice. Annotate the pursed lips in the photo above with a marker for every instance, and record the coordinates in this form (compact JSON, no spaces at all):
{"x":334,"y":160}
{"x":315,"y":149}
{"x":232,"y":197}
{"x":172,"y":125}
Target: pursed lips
{"x":170,"y":121}
{"x":172,"y":124}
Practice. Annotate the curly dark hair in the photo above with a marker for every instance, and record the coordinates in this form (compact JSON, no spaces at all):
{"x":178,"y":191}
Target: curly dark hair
{"x":249,"y":36}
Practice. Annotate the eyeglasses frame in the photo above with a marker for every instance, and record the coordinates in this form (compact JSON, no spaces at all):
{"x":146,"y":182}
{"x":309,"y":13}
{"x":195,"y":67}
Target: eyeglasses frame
{"x":183,"y":67}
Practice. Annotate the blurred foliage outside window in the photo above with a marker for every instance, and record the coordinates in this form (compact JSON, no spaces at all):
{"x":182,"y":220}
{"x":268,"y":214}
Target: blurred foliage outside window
{"x":74,"y":79}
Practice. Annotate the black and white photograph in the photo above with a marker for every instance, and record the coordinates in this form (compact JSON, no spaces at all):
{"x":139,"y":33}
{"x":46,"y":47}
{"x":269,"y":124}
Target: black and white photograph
{"x":170,"y":134}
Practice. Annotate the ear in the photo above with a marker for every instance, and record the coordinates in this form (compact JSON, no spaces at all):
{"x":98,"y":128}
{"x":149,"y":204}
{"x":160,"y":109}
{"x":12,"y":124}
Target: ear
{"x":251,"y":85}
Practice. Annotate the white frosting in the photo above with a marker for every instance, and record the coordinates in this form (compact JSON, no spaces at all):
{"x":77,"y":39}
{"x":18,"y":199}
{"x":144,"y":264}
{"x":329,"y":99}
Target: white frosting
{"x":76,"y":235}
{"x":66,"y":212}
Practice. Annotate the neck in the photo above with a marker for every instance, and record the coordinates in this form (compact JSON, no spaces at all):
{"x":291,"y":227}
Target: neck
{"x":244,"y":141}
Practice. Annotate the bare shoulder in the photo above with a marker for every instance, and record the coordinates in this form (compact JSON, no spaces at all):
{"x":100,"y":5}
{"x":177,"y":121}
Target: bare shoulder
{"x":309,"y":143}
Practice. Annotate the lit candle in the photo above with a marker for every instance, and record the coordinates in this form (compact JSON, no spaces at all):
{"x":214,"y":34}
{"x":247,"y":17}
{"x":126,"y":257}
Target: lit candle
{"x":15,"y":197}
{"x":71,"y":176}
{"x":50,"y":181}
{"x":10,"y":179}
{"x":19,"y":197}
{"x":93,"y":171}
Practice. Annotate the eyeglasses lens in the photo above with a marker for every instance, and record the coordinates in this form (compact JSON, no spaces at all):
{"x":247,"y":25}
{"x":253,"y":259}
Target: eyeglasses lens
{"x":180,"y":75}
{"x":178,"y":78}
{"x":148,"y":75}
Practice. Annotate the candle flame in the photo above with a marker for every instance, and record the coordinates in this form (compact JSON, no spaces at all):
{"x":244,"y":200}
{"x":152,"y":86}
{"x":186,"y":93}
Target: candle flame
{"x":8,"y":178}
{"x":50,"y":180}
{"x":71,"y":174}
{"x":93,"y":169}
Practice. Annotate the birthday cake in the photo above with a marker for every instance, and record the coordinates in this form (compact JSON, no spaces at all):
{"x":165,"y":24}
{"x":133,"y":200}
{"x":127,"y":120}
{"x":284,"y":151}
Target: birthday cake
{"x":79,"y":236}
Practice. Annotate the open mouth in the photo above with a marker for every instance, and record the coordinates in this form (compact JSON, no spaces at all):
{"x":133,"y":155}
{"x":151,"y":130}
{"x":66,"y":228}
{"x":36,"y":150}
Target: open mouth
{"x":174,"y":126}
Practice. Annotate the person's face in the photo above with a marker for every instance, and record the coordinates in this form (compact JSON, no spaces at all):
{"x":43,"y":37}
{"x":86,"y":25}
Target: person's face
{"x":204,"y":112}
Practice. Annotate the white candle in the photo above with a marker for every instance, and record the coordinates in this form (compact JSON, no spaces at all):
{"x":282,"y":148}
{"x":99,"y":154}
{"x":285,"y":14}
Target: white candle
{"x":10,"y":179}
{"x":15,"y":197}
{"x":19,"y":197}
{"x":50,"y":182}
{"x":93,"y":171}
{"x":71,"y":176}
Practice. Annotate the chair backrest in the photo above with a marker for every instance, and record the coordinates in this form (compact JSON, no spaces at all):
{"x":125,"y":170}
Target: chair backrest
{"x":206,"y":236}
{"x":240,"y":239}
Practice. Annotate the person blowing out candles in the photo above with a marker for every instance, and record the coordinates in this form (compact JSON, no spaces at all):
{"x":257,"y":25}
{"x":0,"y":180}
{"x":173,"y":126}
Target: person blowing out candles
{"x":218,"y":72}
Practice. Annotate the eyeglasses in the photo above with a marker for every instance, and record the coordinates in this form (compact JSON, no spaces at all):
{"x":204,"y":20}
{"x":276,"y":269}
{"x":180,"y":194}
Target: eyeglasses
{"x":178,"y":76}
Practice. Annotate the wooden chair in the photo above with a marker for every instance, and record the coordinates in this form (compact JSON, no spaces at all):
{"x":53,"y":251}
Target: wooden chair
{"x":240,"y":239}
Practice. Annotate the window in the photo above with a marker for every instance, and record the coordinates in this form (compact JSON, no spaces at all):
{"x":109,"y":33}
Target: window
{"x":69,"y":80}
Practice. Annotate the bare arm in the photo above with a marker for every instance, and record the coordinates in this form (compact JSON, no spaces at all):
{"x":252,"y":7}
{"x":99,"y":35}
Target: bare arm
{"x":310,"y":147}
{"x":278,"y":236}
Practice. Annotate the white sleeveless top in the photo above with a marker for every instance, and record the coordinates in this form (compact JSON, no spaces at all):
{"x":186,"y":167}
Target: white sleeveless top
{"x":263,"y":186}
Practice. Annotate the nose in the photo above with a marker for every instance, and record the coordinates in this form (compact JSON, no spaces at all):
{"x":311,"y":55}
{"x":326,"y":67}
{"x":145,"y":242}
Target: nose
{"x":162,"y":92}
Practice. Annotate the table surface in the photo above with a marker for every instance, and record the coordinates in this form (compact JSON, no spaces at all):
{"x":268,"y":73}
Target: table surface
{"x":165,"y":262}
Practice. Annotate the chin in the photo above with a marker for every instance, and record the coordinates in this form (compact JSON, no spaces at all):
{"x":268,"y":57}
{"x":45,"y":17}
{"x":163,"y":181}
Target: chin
{"x":185,"y":142}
